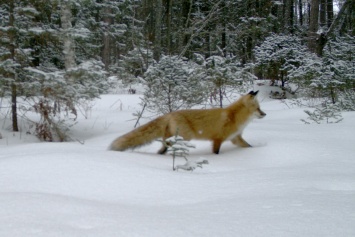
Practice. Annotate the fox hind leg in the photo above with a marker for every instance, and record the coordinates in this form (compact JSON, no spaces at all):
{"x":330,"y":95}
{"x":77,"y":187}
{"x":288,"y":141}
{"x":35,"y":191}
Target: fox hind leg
{"x":164,"y":147}
{"x":216,"y":146}
{"x":165,"y":144}
{"x":163,"y":150}
{"x":239,"y":141}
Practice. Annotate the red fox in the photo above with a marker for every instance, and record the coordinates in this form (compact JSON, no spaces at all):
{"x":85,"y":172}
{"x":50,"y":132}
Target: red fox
{"x":216,"y":125}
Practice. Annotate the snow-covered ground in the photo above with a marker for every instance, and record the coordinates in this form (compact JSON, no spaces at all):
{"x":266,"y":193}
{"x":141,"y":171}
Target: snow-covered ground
{"x":297,"y":180}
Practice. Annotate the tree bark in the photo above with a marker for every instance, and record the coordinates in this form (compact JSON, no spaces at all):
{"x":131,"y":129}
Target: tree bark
{"x":313,"y":37}
{"x":330,"y":12}
{"x":66,"y":17}
{"x":12,"y":38}
{"x":323,"y":13}
{"x":300,"y":11}
{"x":337,"y":22}
{"x":14,"y":107}
{"x":168,"y":25}
{"x":157,"y":29}
{"x":68,"y":47}
{"x":288,"y":16}
{"x":224,"y":29}
{"x":106,"y":49}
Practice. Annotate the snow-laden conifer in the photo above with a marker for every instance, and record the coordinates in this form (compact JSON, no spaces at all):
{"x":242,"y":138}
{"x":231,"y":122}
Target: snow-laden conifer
{"x":225,"y":76}
{"x":337,"y":74}
{"x":285,"y":58}
{"x":178,"y":147}
{"x":170,"y":85}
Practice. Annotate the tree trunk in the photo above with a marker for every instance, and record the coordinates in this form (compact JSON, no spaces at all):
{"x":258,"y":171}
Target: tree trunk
{"x":12,"y":38}
{"x":300,"y":11}
{"x":157,"y":29}
{"x":288,"y":16}
{"x":185,"y":23}
{"x":168,"y":25}
{"x":313,"y":37}
{"x":14,"y":107}
{"x":316,"y":42}
{"x":106,"y":49}
{"x":337,"y":23}
{"x":66,"y":17}
{"x":330,"y":12}
{"x":68,"y":47}
{"x":224,"y":29}
{"x":323,"y":13}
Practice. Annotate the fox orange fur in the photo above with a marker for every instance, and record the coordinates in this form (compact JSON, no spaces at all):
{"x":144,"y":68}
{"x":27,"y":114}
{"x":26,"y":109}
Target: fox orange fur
{"x":217,"y":125}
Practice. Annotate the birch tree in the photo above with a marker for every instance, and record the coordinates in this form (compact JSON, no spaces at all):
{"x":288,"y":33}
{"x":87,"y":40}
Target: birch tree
{"x":68,"y":41}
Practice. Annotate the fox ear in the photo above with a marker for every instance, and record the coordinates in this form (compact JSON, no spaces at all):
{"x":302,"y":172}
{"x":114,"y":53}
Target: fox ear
{"x":253,"y":93}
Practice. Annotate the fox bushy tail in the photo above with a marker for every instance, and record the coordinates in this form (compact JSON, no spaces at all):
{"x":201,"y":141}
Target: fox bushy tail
{"x":140,"y":136}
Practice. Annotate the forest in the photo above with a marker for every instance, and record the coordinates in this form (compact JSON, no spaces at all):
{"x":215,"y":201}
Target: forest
{"x":57,"y":54}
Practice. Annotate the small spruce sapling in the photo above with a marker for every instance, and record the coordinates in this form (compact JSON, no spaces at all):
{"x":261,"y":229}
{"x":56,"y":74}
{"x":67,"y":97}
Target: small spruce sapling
{"x":189,"y":165}
{"x":178,"y":147}
{"x":325,"y":112}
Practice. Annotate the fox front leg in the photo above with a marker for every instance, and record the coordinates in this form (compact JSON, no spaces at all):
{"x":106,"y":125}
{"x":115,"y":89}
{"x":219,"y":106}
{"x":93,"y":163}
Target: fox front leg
{"x":239,"y":141}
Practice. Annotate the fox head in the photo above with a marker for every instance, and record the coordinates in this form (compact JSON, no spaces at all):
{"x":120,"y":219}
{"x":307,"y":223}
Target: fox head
{"x":252,"y":104}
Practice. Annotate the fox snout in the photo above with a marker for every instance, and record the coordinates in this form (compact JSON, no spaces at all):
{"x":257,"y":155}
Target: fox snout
{"x":260,"y":114}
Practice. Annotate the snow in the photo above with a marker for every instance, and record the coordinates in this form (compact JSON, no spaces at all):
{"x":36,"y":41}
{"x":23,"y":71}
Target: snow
{"x":296,"y":180}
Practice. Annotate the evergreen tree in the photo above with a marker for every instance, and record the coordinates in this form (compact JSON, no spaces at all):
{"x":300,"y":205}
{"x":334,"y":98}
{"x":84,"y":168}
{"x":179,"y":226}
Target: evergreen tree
{"x":336,"y":74}
{"x":170,"y":86}
{"x":224,"y":75}
{"x":17,"y":26}
{"x":328,"y":113}
{"x":133,"y":65}
{"x":178,"y":147}
{"x":38,"y":60}
{"x":285,"y":57}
